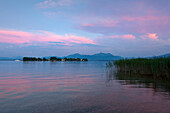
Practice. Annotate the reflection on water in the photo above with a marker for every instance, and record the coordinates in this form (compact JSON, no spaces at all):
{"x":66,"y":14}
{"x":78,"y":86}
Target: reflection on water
{"x":138,"y":81}
{"x":78,"y":87}
{"x":21,"y":86}
{"x":48,"y":77}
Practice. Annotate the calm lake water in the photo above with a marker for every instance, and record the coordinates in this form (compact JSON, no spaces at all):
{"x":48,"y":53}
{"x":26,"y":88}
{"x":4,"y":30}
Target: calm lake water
{"x":78,"y":87}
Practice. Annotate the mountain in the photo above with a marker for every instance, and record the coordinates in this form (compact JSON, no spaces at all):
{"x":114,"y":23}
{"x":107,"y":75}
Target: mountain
{"x":95,"y":57}
{"x":164,"y":56}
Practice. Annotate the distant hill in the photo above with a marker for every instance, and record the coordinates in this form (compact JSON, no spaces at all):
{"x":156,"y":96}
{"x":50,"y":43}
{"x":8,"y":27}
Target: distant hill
{"x":165,"y":55}
{"x":95,"y":57}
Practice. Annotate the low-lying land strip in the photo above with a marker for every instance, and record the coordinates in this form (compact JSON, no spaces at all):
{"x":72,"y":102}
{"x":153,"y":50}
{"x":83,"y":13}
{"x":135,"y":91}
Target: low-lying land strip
{"x":53,"y":59}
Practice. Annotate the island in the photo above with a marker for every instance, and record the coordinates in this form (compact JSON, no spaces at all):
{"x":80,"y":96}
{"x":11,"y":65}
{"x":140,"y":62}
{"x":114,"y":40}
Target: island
{"x":53,"y":59}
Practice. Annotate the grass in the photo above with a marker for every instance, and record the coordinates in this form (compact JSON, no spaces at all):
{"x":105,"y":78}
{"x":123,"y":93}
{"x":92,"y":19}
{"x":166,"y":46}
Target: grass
{"x":157,"y":67}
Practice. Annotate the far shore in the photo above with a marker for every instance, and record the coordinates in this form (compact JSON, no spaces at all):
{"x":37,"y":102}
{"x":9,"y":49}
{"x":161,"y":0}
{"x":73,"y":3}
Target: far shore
{"x":53,"y":59}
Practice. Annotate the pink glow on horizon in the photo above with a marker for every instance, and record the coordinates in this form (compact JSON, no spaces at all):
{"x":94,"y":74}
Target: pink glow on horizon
{"x":20,"y":37}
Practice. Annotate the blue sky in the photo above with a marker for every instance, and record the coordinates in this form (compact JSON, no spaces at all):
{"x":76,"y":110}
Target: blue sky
{"x":128,"y":28}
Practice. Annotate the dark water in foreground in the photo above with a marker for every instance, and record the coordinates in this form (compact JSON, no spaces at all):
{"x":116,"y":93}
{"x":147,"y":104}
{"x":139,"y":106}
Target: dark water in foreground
{"x":78,"y":87}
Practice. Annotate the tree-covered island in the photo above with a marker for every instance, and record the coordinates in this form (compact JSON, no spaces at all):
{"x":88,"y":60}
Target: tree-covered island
{"x":53,"y":59}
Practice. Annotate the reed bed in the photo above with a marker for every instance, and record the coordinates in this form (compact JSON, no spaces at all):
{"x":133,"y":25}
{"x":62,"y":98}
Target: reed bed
{"x":158,"y":67}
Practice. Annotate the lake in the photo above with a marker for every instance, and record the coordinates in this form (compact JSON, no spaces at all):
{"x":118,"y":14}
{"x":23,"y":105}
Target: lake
{"x":78,"y":87}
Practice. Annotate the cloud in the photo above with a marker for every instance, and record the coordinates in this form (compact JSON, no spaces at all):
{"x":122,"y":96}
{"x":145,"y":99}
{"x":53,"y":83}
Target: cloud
{"x":129,"y":25}
{"x":134,"y":47}
{"x":145,"y":18}
{"x":134,"y":17}
{"x":106,"y":17}
{"x":15,"y":33}
{"x":47,"y":4}
{"x":126,"y":36}
{"x":150,"y":36}
{"x":53,"y":3}
{"x":21,"y":37}
{"x":64,"y":2}
{"x":102,"y":23}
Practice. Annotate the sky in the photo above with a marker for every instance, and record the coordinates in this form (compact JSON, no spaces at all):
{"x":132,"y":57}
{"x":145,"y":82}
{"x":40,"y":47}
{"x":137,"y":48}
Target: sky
{"x":128,"y":28}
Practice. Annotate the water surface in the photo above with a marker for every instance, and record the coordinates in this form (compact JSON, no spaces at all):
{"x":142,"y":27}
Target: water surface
{"x":78,"y":87}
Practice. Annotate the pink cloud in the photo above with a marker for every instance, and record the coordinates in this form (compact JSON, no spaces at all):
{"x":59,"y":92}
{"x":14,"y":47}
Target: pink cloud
{"x":79,"y":40}
{"x":150,"y":36}
{"x":20,"y":37}
{"x":126,"y":36}
{"x":129,"y":24}
{"x":145,"y":24}
{"x":15,"y":33}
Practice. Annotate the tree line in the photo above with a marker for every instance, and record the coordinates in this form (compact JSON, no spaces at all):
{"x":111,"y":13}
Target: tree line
{"x":53,"y":59}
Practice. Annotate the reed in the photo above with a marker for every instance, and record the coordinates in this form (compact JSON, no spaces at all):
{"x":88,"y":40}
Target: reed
{"x":158,"y":67}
